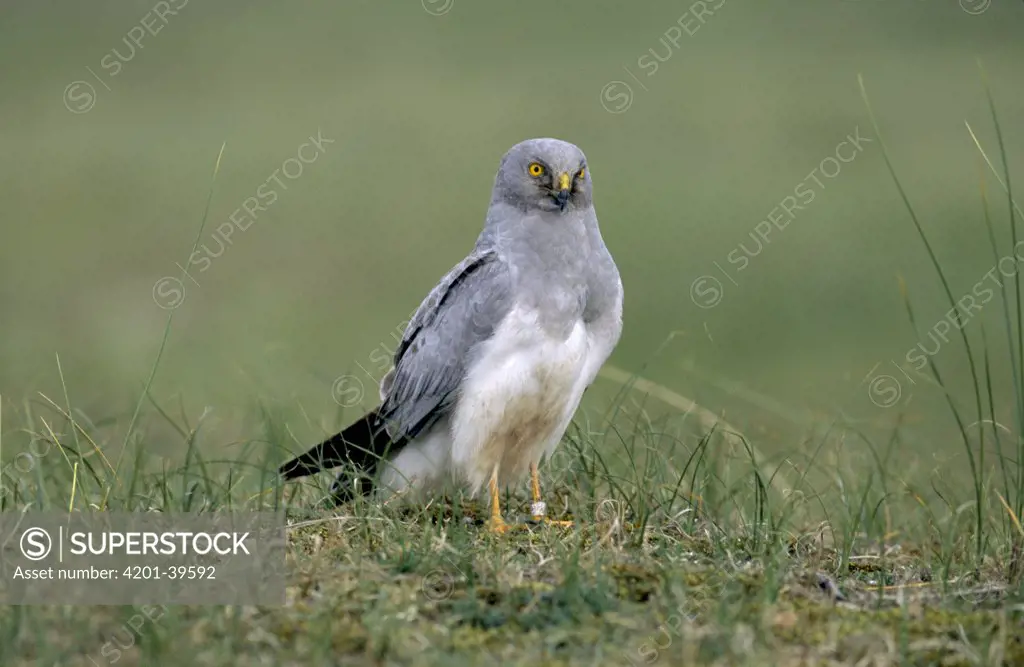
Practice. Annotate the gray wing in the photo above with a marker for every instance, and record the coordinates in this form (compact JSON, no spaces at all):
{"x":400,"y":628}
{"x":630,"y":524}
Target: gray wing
{"x":440,"y":343}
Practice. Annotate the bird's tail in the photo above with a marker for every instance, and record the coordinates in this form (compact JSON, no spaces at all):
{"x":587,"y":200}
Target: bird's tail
{"x":360,"y":446}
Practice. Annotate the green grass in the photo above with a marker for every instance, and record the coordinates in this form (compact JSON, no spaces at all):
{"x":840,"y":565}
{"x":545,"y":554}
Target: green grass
{"x":683,"y":549}
{"x":690,"y":545}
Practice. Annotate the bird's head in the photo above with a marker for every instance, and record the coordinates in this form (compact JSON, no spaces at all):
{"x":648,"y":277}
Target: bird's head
{"x":544,"y":174}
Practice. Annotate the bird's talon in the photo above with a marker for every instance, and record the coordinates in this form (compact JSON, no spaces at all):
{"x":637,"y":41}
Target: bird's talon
{"x":540,"y":518}
{"x":555,"y":522}
{"x":497,"y":525}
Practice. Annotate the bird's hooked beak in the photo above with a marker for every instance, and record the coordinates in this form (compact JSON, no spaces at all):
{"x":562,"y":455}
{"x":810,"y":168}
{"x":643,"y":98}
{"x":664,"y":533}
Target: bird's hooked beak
{"x":564,"y":190}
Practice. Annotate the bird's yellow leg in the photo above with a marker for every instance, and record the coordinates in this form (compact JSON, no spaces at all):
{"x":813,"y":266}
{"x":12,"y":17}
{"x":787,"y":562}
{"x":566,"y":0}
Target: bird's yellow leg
{"x":496,"y":524}
{"x":538,"y":509}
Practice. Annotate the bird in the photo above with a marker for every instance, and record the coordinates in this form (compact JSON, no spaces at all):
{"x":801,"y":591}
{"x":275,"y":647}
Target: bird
{"x":493,"y":364}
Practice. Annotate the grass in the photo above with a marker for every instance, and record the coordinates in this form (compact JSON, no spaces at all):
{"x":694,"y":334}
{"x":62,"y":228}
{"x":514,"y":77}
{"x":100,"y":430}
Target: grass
{"x":690,"y":545}
{"x":684,"y":553}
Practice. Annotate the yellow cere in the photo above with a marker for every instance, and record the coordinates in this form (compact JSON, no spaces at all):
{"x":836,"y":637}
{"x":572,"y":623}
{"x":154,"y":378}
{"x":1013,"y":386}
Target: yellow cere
{"x":563,"y":181}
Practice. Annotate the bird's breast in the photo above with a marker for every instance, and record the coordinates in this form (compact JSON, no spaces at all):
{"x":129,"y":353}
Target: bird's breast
{"x":518,"y":394}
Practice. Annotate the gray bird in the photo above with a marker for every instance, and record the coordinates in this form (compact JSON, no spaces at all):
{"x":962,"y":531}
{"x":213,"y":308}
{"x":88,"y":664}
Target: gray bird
{"x":496,"y":359}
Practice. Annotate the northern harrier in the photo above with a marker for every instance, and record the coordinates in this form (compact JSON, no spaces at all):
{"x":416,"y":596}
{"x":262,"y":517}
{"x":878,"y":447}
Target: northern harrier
{"x":493,"y":364}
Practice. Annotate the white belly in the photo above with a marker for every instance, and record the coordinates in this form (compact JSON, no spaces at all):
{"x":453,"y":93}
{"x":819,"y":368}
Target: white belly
{"x":518,"y":399}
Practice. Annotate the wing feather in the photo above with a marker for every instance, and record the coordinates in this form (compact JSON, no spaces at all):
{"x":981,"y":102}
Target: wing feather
{"x":439,"y":344}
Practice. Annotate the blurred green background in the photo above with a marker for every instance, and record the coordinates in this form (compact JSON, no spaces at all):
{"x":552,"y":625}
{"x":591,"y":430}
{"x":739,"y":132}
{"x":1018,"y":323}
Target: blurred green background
{"x":103,"y":192}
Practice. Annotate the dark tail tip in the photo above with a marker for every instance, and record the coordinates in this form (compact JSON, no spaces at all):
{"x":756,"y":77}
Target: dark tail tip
{"x":359,"y":447}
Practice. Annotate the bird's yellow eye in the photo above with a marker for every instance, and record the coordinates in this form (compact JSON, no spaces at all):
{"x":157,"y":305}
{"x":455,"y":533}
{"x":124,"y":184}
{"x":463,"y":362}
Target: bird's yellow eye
{"x":582,"y":173}
{"x":535,"y":169}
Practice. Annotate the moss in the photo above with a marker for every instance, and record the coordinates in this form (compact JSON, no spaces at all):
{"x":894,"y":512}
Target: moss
{"x":634,"y":582}
{"x":930,"y":634}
